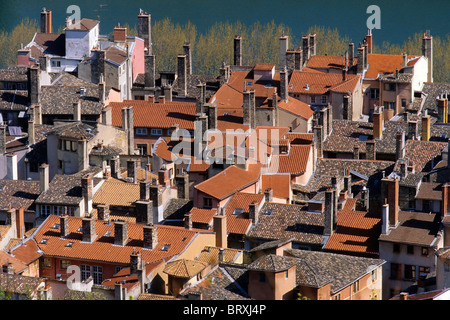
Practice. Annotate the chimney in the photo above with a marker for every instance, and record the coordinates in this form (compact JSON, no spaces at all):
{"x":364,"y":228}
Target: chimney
{"x":356,"y":152}
{"x":445,"y":202}
{"x":88,"y":226}
{"x":312,"y":44}
{"x":390,"y":191}
{"x":120,"y":34}
{"x":44,"y":177}
{"x":130,"y":132}
{"x":442,"y":114}
{"x":132,"y":171}
{"x":385,"y":219}
{"x":351,"y":54}
{"x":403,"y":295}
{"x":360,"y":57}
{"x":119,"y":291}
{"x":369,"y":40}
{"x":150,"y":67}
{"x":87,"y":186}
{"x":248,"y":106}
{"x":253,"y":212}
{"x":413,"y":130}
{"x":328,"y":214}
{"x":426,"y":127}
{"x":2,"y":140}
{"x":135,"y":262}
{"x":11,"y":216}
{"x":348,"y":184}
{"x":221,"y":255}
{"x":43,"y":63}
{"x":238,"y":51}
{"x":182,"y":183}
{"x":212,"y":116}
{"x":144,"y":211}
{"x":34,"y":86}
{"x":107,"y":116}
{"x":98,"y":67}
{"x":115,"y":167}
{"x":102,"y":89}
{"x":188,"y":54}
{"x":150,"y":236}
{"x":145,"y":29}
{"x":268,"y":195}
{"x":370,"y":150}
{"x":347,"y":107}
{"x":188,"y":221}
{"x":284,"y":86}
{"x":400,"y":145}
{"x":156,"y":199}
{"x":162,"y":99}
{"x":11,"y":166}
{"x":181,"y":73}
{"x":77,"y":111}
{"x":46,"y":21}
{"x":305,"y":48}
{"x":365,"y":199}
{"x":120,"y":233}
{"x":284,"y":45}
{"x":298,"y":60}
{"x":20,"y":223}
{"x":427,"y":52}
{"x":366,"y":57}
{"x":37,"y":114}
{"x":168,"y":93}
{"x":220,"y":228}
{"x":318,"y":140}
{"x":378,"y":124}
{"x":405,"y":59}
{"x":144,"y":190}
{"x":103,"y":212}
{"x":290,"y":61}
{"x":124,"y":118}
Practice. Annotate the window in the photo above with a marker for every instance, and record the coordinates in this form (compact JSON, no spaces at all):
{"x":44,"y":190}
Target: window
{"x":286,"y":274}
{"x":117,"y":269}
{"x":34,"y":167}
{"x":410,"y":272}
{"x":262,"y":277}
{"x":143,"y":149}
{"x":67,"y":145}
{"x":156,"y":132}
{"x":424,"y":251}
{"x":45,"y":210}
{"x":141,"y":131}
{"x":61,"y":165}
{"x":337,"y":297}
{"x":409,"y":249}
{"x":396,"y":248}
{"x":404,"y":103}
{"x":374,"y":94}
{"x":374,"y":275}
{"x":71,"y":211}
{"x":389,"y":86}
{"x":423,"y":271}
{"x":356,"y":286}
{"x":85,"y":272}
{"x":395,"y":271}
{"x":389,"y":105}
{"x":73,"y":146}
{"x":313,"y":99}
{"x":64,"y":264}
{"x":97,"y":274}
{"x":207,"y":203}
{"x":47,"y":262}
{"x":56,"y":63}
{"x":323,"y":99}
{"x":58,"y":210}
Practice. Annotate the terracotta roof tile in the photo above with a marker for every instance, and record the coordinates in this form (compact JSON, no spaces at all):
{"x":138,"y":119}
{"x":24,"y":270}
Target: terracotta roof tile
{"x":210,"y":255}
{"x":328,"y":62}
{"x":239,"y":223}
{"x":183,"y":268}
{"x":386,"y":63}
{"x":7,"y":259}
{"x":117,"y":193}
{"x":203,"y":215}
{"x":279,"y":183}
{"x":320,"y":83}
{"x":295,"y":162}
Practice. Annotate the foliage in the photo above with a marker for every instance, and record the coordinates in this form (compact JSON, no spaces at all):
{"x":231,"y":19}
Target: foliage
{"x":302,"y":297}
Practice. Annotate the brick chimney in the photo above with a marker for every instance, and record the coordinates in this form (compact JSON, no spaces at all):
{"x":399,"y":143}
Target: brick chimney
{"x":130,"y":132}
{"x":87,"y":186}
{"x":150,"y":236}
{"x":182,"y":76}
{"x":284,"y":45}
{"x":120,"y":233}
{"x":144,"y":211}
{"x":149,"y":72}
{"x":220,"y":228}
{"x":64,"y":226}
{"x":268,"y":195}
{"x":98,"y":66}
{"x":390,"y":191}
{"x":46,"y":21}
{"x":44,"y":177}
{"x":144,"y":190}
{"x":135,"y":262}
{"x":400,"y":145}
{"x":145,"y":29}
{"x":188,"y":54}
{"x":88,"y":227}
{"x":369,"y":40}
{"x":426,"y":128}
{"x":120,"y":34}
{"x":182,"y":183}
{"x":103,"y":212}
{"x":20,"y":223}
{"x":356,"y":152}
{"x":238,"y":51}
{"x":378,"y":123}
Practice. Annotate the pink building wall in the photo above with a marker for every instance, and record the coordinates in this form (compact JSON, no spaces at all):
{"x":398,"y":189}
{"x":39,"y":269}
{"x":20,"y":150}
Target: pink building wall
{"x":137,"y":58}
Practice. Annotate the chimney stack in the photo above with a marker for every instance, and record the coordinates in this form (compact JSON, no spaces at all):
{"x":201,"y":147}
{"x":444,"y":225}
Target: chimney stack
{"x":328,"y":214}
{"x":365,"y":199}
{"x":188,"y":54}
{"x":390,"y":191}
{"x":369,"y":40}
{"x":426,"y":128}
{"x":238,"y":51}
{"x":212,"y":116}
{"x":318,"y":140}
{"x":182,"y":183}
{"x":370,"y":150}
{"x":249,"y":108}
{"x":44,"y":177}
{"x":150,"y":236}
{"x":305,"y":48}
{"x":149,"y":73}
{"x":385,"y":219}
{"x":34,"y":86}
{"x":181,"y":73}
{"x":351,"y":54}
{"x":284,"y":86}
{"x":445,"y":202}
{"x":77,"y":111}
{"x":120,"y":34}
{"x":144,"y":211}
{"x":312,"y":44}
{"x":427,"y":52}
{"x":220,"y":228}
{"x":120,"y":233}
{"x":168,"y":93}
{"x":103,"y":212}
{"x":132,"y":171}
{"x":64,"y":226}
{"x":11,"y":166}
{"x":188,"y":221}
{"x":347,"y":106}
{"x":268,"y":195}
{"x":378,"y":123}
{"x":115,"y":167}
{"x":88,"y":227}
{"x":284,"y":45}
{"x":400,"y":145}
{"x":361,"y":62}
{"x":135,"y":261}
{"x":46,"y":21}
{"x":130,"y":132}
{"x":87,"y":186}
{"x":145,"y":29}
{"x":253,"y":212}
{"x":413,"y":130}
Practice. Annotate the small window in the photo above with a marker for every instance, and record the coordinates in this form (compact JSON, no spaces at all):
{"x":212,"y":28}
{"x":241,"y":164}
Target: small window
{"x":424,"y":251}
{"x":67,"y":145}
{"x":73,"y":146}
{"x":389,"y":86}
{"x":286,"y":274}
{"x":374,"y":275}
{"x":262,"y":277}
{"x":156,"y":132}
{"x":143,"y":149}
{"x":323,"y":99}
{"x":313,"y":99}
{"x":374,"y":94}
{"x":410,"y":272}
{"x":337,"y":297}
{"x":64,"y":264}
{"x":141,"y":131}
{"x":395,"y":271}
{"x":47,"y":262}
{"x":396,"y":248}
{"x":165,"y":247}
{"x":410,"y":249}
{"x":70,"y":244}
{"x":207,"y":203}
{"x":43,"y":241}
{"x":356,"y":286}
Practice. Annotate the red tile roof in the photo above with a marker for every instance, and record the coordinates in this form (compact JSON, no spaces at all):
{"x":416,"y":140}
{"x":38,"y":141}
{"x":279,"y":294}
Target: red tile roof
{"x":306,"y":82}
{"x":241,"y":80}
{"x":6,"y":259}
{"x":279,"y":183}
{"x":240,"y":224}
{"x":328,"y":62}
{"x":386,"y":63}
{"x":203,"y":215}
{"x":27,"y":252}
{"x":294,"y":162}
{"x":230,"y":180}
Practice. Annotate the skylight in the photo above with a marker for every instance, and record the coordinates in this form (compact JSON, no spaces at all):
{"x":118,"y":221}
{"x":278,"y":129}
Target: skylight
{"x":69,"y":244}
{"x":165,"y":247}
{"x":44,"y":241}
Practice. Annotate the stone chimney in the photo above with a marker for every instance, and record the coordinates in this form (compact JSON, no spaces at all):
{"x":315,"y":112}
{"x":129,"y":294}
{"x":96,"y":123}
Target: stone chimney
{"x":212,"y":116}
{"x":249,"y":108}
{"x":182,"y":183}
{"x":253,"y":213}
{"x":181,"y":73}
{"x":284,"y":85}
{"x":238,"y":51}
{"x":37,"y":114}
{"x":284,"y":45}
{"x":268,"y":195}
{"x":356,"y":152}
{"x":378,"y":123}
{"x":365,"y":199}
{"x":427,"y":52}
{"x":46,"y":21}
{"x":156,"y":199}
{"x":312,"y":44}
{"x":348,"y":184}
{"x":298,"y":60}
{"x":188,"y":221}
{"x":168,"y":93}
{"x":442,"y":106}
{"x":88,"y":227}
{"x":11,"y":166}
{"x":351,"y":54}
{"x":329,"y":213}
{"x":43,"y":63}
{"x":371,"y":153}
{"x":400,"y":145}
{"x":102,"y":89}
{"x":149,"y":71}
{"x":390,"y":191}
{"x":347,"y":107}
{"x":413,"y":130}
{"x":318,"y":140}
{"x":64,"y":226}
{"x":2,"y":140}
{"x":360,"y":56}
{"x":115,"y":167}
{"x":132,"y":171}
{"x":145,"y":29}
{"x":87,"y":186}
{"x":426,"y":128}
{"x":144,"y":211}
{"x":34,"y":87}
{"x":188,"y":54}
{"x":103,"y":212}
{"x":135,"y":262}
{"x":150,"y":236}
{"x":405,"y":59}
{"x":130,"y":133}
{"x":220,"y":228}
{"x":107,"y":116}
{"x":305,"y":48}
{"x":77,"y":111}
{"x":44,"y":177}
{"x":120,"y":233}
{"x":98,"y":67}
{"x":385,"y":219}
